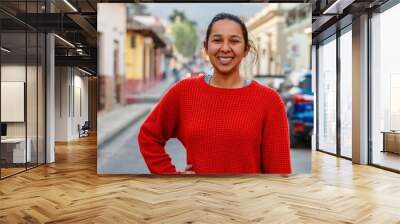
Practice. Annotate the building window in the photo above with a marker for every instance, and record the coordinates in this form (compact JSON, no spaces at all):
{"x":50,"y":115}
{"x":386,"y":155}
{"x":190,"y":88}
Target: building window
{"x":327,"y":96}
{"x":133,"y":41}
{"x":385,"y":89}
{"x":346,"y":94}
{"x":22,"y":101}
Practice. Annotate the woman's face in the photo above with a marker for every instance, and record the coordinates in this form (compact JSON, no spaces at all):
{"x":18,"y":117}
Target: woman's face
{"x":226,"y":46}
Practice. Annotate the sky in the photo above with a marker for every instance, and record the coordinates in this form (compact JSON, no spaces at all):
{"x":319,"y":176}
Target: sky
{"x":202,"y":13}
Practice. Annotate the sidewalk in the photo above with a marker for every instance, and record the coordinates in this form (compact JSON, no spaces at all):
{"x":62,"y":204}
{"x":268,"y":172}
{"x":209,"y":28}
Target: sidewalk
{"x":112,"y":123}
{"x":155,"y":93}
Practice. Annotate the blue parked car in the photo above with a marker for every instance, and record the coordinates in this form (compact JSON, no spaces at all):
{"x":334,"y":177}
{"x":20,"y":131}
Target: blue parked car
{"x":300,"y":111}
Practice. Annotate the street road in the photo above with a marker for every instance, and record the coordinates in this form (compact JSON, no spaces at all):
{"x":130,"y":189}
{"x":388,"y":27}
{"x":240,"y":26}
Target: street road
{"x":122,"y":155}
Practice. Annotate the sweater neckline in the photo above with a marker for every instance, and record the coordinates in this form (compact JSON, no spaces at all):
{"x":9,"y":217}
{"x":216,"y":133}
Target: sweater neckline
{"x":204,"y":83}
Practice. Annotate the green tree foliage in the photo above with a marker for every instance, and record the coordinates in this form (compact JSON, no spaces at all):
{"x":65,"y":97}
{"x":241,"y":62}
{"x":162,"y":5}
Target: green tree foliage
{"x":175,"y":14}
{"x":184,"y":32}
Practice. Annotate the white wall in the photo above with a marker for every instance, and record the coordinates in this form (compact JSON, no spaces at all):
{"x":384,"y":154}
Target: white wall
{"x":61,"y":103}
{"x":111,"y":23}
{"x":70,"y":83}
{"x":12,"y":101}
{"x":81,"y":89}
{"x":33,"y":126}
{"x":12,"y":73}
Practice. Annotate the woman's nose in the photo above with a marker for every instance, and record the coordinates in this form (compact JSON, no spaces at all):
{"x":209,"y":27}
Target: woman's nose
{"x":225,"y":46}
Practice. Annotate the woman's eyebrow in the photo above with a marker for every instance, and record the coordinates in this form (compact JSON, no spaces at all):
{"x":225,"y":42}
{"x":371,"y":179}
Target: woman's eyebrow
{"x":236,"y":36}
{"x":220,"y":35}
{"x":216,"y":35}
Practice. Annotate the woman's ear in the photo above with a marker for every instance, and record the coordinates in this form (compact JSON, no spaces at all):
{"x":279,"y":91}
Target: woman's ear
{"x":205,"y":45}
{"x":247,"y":50}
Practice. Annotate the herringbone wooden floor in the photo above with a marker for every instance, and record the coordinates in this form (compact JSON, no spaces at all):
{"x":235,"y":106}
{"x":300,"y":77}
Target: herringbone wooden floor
{"x":70,"y":191}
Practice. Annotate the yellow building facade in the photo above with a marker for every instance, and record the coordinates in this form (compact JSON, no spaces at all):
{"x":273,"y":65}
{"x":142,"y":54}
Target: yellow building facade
{"x":144,"y":57}
{"x":139,"y":51}
{"x":134,"y":47}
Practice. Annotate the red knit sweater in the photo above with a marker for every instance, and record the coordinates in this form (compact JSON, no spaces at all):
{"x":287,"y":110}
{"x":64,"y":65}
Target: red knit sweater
{"x":238,"y":130}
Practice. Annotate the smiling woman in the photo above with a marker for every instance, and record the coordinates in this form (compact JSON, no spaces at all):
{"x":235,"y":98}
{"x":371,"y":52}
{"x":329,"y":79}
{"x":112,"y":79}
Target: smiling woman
{"x":226,"y":124}
{"x":226,"y":45}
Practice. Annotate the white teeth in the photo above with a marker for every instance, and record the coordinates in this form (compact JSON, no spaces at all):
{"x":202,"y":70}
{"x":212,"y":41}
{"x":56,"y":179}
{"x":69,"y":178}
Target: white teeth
{"x":225,"y":60}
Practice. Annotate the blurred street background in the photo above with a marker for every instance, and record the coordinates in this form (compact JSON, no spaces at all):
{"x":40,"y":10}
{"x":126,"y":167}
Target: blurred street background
{"x":145,"y":48}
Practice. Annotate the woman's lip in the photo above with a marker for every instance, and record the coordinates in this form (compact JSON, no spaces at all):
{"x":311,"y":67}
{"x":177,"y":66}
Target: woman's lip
{"x":225,"y":56}
{"x":225,"y":60}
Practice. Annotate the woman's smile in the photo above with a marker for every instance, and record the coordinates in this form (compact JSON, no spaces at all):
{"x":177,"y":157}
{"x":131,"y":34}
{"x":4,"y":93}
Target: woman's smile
{"x":226,"y":47}
{"x":224,"y":60}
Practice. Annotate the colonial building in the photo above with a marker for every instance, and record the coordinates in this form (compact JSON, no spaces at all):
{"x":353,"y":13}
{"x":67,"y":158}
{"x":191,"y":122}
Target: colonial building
{"x":298,"y":39}
{"x":111,"y":56}
{"x":266,"y":30}
{"x":146,"y":54}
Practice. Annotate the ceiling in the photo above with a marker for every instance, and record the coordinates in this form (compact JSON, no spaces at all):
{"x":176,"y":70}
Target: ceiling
{"x":74,"y":21}
{"x":328,"y":12}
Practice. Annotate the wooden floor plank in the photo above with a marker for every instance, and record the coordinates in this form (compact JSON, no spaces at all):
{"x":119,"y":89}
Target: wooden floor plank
{"x":70,"y":191}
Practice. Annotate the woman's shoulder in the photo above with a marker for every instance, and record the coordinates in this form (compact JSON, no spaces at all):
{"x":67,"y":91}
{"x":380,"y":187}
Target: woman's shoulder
{"x":182,"y":85}
{"x":266,"y":90}
{"x":269,"y":98}
{"x":185,"y":83}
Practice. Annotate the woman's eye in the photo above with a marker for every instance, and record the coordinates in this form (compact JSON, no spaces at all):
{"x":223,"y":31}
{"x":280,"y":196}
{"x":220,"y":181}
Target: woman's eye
{"x":217,"y":40}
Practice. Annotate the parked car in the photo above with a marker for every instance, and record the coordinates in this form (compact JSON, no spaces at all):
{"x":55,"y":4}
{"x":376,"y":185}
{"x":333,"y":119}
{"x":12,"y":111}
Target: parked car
{"x":300,"y":111}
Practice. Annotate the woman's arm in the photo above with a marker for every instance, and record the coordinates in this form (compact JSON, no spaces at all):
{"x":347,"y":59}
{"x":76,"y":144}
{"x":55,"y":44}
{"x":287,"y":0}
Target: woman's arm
{"x":160,"y":125}
{"x":276,"y":141}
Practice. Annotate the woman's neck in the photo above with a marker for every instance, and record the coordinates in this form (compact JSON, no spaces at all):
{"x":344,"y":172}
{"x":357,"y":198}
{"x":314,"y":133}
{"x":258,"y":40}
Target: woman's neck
{"x":232,"y":80}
